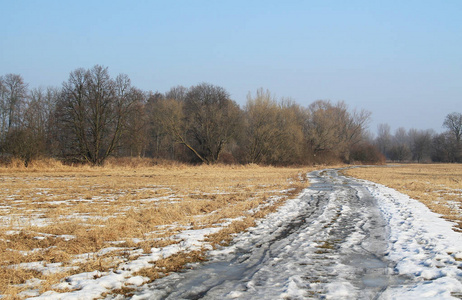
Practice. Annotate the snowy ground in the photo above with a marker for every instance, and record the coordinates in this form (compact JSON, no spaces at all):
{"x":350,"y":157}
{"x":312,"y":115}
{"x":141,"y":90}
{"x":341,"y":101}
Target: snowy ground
{"x":340,"y":239}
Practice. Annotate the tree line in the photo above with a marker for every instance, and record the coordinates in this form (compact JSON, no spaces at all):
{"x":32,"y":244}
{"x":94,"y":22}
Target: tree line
{"x":93,"y":116}
{"x":423,"y":145}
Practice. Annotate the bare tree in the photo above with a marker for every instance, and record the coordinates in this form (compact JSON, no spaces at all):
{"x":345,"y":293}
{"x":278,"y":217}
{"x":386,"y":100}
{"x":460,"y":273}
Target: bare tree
{"x":94,"y":108}
{"x":321,"y":128}
{"x":290,"y":120}
{"x":383,"y":140}
{"x":262,"y":133}
{"x":156,"y":135}
{"x":354,"y":128}
{"x":333,"y":130}
{"x":444,"y":148}
{"x":166,"y":124}
{"x":39,"y":119}
{"x":3,"y":113}
{"x":453,"y":123}
{"x":401,"y":149}
{"x":29,"y":135}
{"x":13,"y":94}
{"x":169,"y":121}
{"x":177,"y":93}
{"x":274,"y":129}
{"x":421,"y":144}
{"x":212,"y":120}
{"x":135,"y":136}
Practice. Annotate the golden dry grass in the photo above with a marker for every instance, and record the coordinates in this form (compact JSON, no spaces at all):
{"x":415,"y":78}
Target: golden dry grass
{"x":438,"y":186}
{"x":52,"y":213}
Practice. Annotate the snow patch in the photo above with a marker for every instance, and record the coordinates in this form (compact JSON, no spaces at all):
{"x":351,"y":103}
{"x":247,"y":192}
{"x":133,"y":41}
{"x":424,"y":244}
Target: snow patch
{"x":424,"y":247}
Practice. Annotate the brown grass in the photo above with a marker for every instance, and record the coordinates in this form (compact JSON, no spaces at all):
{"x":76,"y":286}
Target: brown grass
{"x":438,"y":186}
{"x":52,"y":212}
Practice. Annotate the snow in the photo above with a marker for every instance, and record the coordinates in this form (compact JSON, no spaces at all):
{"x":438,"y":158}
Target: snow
{"x":91,"y":285}
{"x":44,"y":267}
{"x":137,"y":280}
{"x":422,"y":253}
{"x":424,"y":246}
{"x":340,"y":290}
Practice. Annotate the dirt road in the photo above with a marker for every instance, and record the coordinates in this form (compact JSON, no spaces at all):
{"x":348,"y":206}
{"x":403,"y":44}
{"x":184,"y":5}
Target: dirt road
{"x":330,"y":244}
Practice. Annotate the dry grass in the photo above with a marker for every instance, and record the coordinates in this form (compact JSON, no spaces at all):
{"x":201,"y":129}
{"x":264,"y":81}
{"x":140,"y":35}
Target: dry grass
{"x":438,"y":186}
{"x":51,"y":213}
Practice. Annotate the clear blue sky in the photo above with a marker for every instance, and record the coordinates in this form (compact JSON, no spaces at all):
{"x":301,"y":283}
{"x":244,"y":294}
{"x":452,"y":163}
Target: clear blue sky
{"x":401,"y":60}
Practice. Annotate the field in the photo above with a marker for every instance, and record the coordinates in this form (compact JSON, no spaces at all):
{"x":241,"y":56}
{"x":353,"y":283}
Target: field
{"x":57,"y":221}
{"x":139,"y":221}
{"x":438,"y":186}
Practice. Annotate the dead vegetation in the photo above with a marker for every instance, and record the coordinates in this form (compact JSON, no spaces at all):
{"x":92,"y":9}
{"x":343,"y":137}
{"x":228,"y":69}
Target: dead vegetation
{"x":59,"y":220}
{"x":438,"y":186}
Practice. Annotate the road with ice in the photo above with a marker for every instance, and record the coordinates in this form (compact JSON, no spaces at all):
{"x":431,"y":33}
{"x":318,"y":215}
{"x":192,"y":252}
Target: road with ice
{"x":341,"y":239}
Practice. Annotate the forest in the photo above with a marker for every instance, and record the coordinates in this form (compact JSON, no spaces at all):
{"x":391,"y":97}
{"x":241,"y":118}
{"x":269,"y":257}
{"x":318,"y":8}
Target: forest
{"x":93,"y":116}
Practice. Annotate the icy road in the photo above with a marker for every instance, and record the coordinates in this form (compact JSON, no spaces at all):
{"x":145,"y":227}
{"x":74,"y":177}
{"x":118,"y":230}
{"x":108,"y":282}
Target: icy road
{"x":341,"y":239}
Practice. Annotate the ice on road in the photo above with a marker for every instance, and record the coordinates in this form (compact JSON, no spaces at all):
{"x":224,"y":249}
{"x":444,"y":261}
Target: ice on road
{"x":342,"y":238}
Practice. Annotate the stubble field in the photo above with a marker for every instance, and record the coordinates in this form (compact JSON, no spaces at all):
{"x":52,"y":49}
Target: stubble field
{"x":57,"y":221}
{"x":141,"y":220}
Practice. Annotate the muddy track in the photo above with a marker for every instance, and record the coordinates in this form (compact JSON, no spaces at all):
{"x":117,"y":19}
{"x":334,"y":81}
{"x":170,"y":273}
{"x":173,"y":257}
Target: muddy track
{"x":333,"y":244}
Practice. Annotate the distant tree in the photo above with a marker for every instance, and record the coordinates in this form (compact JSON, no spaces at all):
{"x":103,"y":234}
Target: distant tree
{"x":443,"y":148}
{"x":401,"y":146}
{"x":366,"y":153}
{"x":39,"y":119}
{"x":21,"y":144}
{"x":94,"y":109}
{"x":3,"y":114}
{"x":322,"y":129}
{"x":400,"y":152}
{"x":168,"y":127}
{"x":263,"y":135}
{"x":453,"y":123}
{"x":354,"y":131}
{"x":29,"y":135}
{"x":333,"y":129}
{"x":421,"y":144}
{"x":290,"y":121}
{"x":134,"y":138}
{"x":384,"y":138}
{"x":211,"y":119}
{"x":13,"y":94}
{"x":177,"y":93}
{"x":51,"y":97}
{"x":401,"y":137}
{"x":202,"y":119}
{"x":162,"y":140}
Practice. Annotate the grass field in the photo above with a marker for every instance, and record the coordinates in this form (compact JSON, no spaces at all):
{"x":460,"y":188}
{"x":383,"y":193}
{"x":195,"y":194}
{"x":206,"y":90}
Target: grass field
{"x":56,"y":220}
{"x":438,"y":186}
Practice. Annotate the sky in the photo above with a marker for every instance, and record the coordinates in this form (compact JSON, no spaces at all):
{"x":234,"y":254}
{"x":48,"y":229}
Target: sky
{"x":400,"y":60}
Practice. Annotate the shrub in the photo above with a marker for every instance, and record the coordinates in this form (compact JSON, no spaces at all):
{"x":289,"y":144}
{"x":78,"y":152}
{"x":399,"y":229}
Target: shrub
{"x":366,"y":154}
